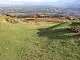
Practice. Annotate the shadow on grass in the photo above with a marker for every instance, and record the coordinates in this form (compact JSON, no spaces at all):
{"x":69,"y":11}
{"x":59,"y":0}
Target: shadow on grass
{"x":55,"y":26}
{"x":53,"y":33}
{"x":75,"y":24}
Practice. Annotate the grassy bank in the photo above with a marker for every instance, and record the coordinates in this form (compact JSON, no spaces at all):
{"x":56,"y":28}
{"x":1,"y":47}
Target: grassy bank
{"x":42,"y":41}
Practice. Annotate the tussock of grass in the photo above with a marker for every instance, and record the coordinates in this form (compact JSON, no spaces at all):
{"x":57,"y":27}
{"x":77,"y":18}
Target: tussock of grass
{"x":12,"y":20}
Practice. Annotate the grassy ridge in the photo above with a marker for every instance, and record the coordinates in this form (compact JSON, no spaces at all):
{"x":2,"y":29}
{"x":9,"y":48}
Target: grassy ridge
{"x":46,"y":41}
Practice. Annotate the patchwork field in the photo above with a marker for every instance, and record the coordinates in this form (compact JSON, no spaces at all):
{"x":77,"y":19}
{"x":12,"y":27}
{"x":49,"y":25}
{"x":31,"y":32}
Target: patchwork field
{"x":38,"y":41}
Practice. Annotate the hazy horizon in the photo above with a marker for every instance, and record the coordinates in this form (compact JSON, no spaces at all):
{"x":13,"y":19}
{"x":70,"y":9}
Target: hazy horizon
{"x":38,"y":2}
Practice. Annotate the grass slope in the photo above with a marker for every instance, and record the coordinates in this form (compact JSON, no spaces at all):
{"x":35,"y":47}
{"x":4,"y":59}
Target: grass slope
{"x":46,"y":41}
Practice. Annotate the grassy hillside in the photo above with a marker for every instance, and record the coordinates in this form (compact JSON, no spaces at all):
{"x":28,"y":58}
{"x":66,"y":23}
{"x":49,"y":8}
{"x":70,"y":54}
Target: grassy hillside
{"x":38,"y":41}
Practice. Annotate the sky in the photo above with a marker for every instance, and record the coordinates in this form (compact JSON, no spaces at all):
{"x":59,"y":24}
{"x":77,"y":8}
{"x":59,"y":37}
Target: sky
{"x":37,"y":2}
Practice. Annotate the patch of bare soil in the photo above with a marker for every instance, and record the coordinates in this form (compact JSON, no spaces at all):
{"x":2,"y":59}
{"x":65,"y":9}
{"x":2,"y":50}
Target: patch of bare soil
{"x":51,"y":19}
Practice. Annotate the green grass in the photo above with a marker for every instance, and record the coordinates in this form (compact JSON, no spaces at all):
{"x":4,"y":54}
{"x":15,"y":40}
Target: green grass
{"x":47,"y":41}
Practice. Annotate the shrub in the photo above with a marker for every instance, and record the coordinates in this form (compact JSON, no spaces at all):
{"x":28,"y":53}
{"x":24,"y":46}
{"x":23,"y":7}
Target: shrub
{"x":75,"y":29}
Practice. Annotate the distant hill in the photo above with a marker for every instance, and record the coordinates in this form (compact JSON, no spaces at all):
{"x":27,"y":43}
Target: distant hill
{"x":71,"y":10}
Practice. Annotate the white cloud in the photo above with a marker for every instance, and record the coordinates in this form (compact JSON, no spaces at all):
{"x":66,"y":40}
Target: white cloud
{"x":35,"y":0}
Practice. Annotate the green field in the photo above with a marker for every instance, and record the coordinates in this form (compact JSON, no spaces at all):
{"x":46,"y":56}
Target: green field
{"x":42,"y":41}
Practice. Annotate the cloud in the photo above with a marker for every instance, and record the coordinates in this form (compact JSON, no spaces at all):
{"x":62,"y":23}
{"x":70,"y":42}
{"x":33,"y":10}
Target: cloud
{"x":32,"y":2}
{"x":37,"y":2}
